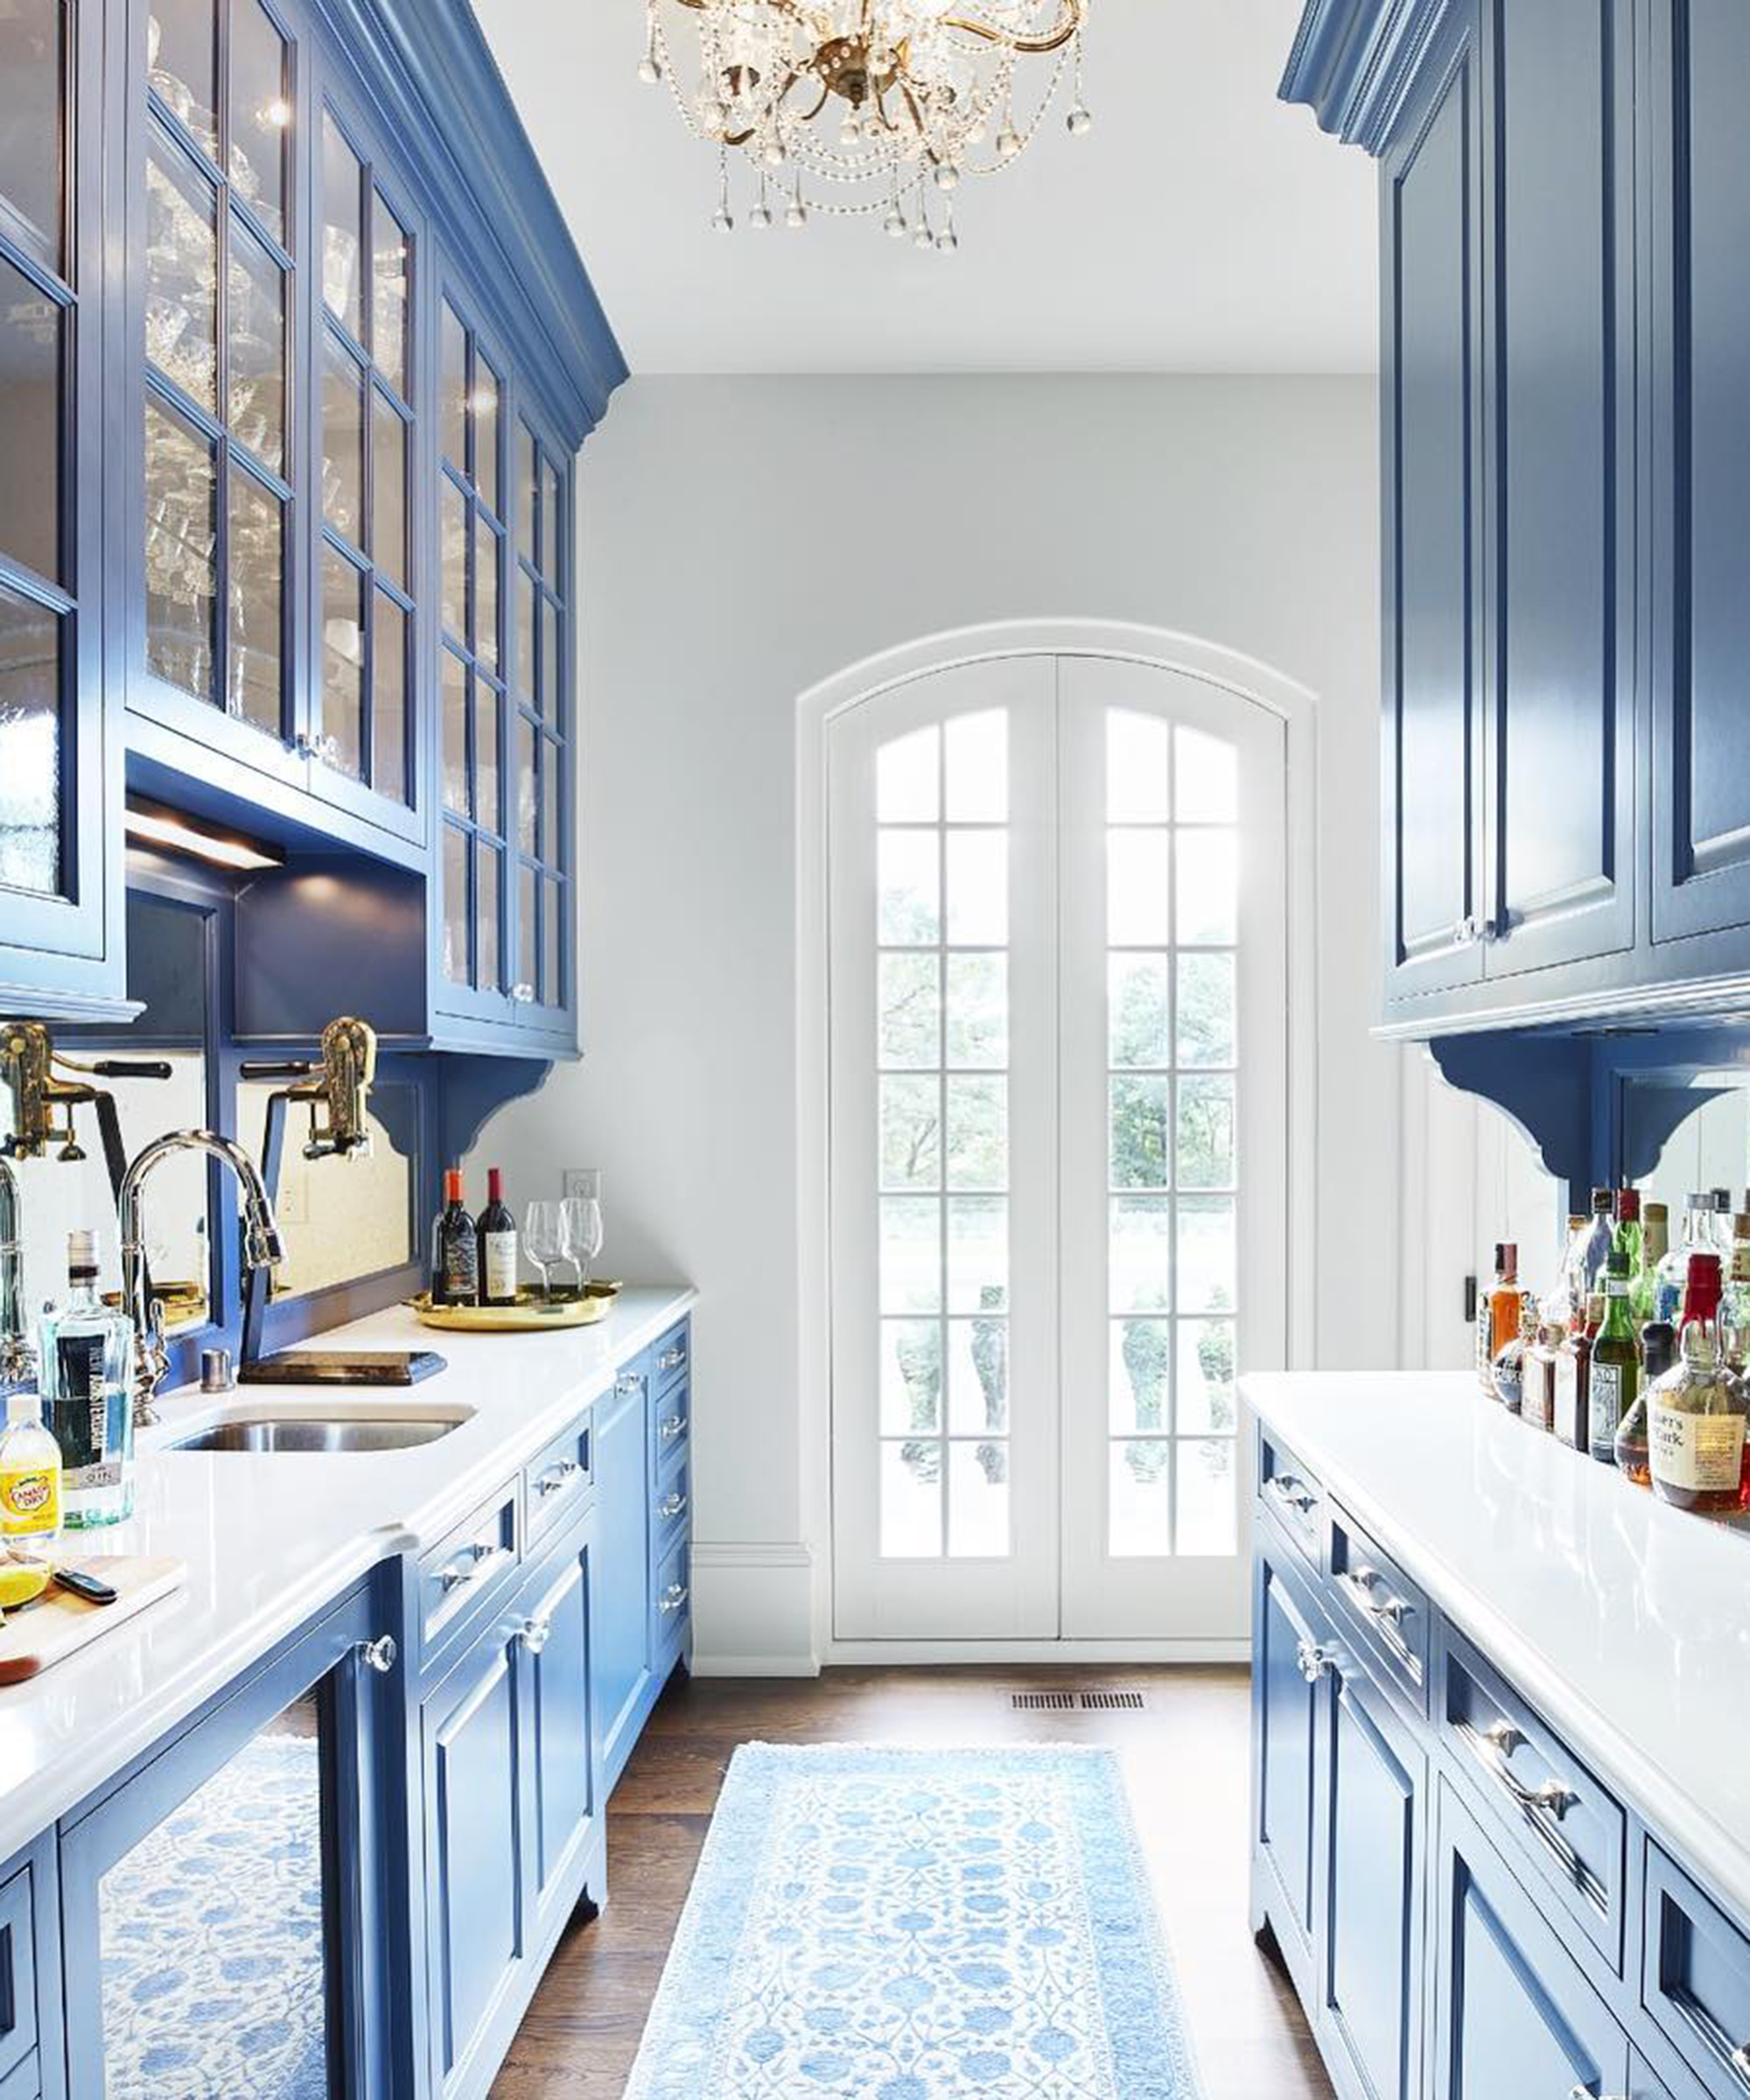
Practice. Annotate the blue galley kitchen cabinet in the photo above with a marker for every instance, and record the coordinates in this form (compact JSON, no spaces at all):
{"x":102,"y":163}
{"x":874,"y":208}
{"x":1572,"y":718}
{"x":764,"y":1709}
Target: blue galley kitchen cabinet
{"x":296,"y":357}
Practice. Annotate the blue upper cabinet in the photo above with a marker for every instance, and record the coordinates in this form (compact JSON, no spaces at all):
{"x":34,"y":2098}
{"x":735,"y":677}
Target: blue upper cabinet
{"x":60,"y":853}
{"x":1565,"y":296}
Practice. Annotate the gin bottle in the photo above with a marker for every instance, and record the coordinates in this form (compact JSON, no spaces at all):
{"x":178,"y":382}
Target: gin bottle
{"x":87,"y":1397}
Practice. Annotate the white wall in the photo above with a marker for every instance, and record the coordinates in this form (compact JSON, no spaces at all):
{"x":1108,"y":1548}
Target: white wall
{"x":741,"y":540}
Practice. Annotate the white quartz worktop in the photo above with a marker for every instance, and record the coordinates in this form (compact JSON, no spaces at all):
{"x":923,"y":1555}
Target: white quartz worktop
{"x":271,"y":1538}
{"x":1625,"y":1622}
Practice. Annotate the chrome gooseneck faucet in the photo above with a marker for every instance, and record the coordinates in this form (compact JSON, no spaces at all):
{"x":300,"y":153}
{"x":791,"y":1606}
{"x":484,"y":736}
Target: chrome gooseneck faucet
{"x":263,"y":1249}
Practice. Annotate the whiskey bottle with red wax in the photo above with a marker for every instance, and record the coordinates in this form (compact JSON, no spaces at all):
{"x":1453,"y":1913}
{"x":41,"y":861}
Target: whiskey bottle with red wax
{"x":1695,"y":1429}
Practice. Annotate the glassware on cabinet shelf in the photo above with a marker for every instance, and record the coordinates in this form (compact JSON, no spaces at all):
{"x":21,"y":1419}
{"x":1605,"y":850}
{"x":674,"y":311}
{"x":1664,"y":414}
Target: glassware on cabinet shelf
{"x":543,"y":1238}
{"x":583,"y":1213}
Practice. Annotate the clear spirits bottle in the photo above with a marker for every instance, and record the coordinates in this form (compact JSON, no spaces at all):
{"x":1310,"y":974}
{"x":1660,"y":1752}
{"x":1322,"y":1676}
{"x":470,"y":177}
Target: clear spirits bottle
{"x":1655,"y":1244}
{"x":1674,"y":1271}
{"x":87,"y":1395}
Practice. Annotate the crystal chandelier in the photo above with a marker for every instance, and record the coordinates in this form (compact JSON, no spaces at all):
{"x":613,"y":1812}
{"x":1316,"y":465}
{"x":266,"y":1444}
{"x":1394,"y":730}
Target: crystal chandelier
{"x":853,"y":107}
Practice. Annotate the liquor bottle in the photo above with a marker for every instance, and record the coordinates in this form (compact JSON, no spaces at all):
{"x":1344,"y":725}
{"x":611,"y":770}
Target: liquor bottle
{"x":1537,"y":1395}
{"x":1595,"y":1249}
{"x":1721,"y":1240}
{"x":1512,"y":1364}
{"x":30,"y":1477}
{"x":496,"y":1228}
{"x":1695,"y":1429}
{"x":1655,"y":1244}
{"x":1573,"y":1367}
{"x":1701,"y":1294}
{"x":1627,"y":1239}
{"x":1615,"y":1373}
{"x":87,"y":1401}
{"x":1734,"y":1310}
{"x":1674,"y":1271}
{"x":1497,"y":1313}
{"x":1658,"y":1350}
{"x":455,"y":1249}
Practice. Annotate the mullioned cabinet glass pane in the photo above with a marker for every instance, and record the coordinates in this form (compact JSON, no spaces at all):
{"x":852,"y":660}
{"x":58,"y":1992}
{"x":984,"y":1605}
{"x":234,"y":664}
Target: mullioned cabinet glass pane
{"x":484,"y":401}
{"x":552,"y":757}
{"x":343,"y":662}
{"x":391,"y":251}
{"x":488,"y":553}
{"x":489,"y":874}
{"x":343,"y":440}
{"x":551,"y":698}
{"x":181,"y":529}
{"x":182,"y":273}
{"x":454,"y":389}
{"x":32,"y":62}
{"x":388,"y":700}
{"x":527,"y":615}
{"x":528,"y":928}
{"x":453,"y":681}
{"x":552,"y":943}
{"x":254,"y":585}
{"x":488,"y":813}
{"x":527,"y":497}
{"x":182,"y":64}
{"x":388,"y":490}
{"x":342,"y":229}
{"x":528,"y":790}
{"x":261,"y":114}
{"x":553,"y":532}
{"x":30,"y":330}
{"x":257,"y":372}
{"x":452,"y":524}
{"x":456,"y":904}
{"x":31,"y":755}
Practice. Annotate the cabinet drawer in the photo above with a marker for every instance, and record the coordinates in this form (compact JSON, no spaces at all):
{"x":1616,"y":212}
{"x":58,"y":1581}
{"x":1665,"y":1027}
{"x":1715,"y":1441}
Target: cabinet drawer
{"x":465,"y":1570}
{"x":17,"y":1975}
{"x":1695,"y":1979}
{"x":1378,"y":1600}
{"x":24,"y":2081}
{"x":559,"y":1478}
{"x":671,"y":1505}
{"x":1568,"y":1825}
{"x":1292,"y":1494}
{"x":670,"y":1597}
{"x":671,"y":1425}
{"x":670,"y":1357}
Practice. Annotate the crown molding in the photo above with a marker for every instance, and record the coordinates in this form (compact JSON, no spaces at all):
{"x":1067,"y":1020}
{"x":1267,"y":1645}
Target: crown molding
{"x":1355,"y":64}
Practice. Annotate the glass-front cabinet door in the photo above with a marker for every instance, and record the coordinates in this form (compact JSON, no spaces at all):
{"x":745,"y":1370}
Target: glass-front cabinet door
{"x":53,"y":774}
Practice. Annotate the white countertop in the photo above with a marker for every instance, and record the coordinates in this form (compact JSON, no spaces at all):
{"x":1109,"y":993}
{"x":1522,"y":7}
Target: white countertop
{"x":1624,"y":1621}
{"x":270,"y":1539}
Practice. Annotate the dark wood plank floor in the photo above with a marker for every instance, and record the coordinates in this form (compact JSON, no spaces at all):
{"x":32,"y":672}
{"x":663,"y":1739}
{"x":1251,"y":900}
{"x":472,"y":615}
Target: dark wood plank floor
{"x":1185,"y":1763}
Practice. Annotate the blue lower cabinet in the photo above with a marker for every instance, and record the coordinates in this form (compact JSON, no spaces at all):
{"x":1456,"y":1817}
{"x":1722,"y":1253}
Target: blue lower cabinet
{"x":29,"y":1977}
{"x":564,"y":1820}
{"x":1286,"y":1630}
{"x":1371,"y":1786}
{"x":1513,"y":2013}
{"x":621,"y":1603}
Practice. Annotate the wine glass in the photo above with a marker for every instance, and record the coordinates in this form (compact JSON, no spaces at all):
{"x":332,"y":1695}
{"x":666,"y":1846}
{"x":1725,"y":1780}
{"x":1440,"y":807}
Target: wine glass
{"x":543,"y":1238}
{"x":584,"y":1231}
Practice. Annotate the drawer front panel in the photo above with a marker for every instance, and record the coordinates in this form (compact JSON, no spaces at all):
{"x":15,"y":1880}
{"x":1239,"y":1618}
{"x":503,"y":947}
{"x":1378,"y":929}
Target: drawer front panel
{"x":1695,"y":1978}
{"x":1378,"y":1600}
{"x":671,"y":1597}
{"x":672,"y":1507}
{"x":671,"y":1426}
{"x":670,"y":1358}
{"x":466,"y":1569}
{"x":1292,"y":1494}
{"x":559,"y":1478}
{"x":18,"y":1974}
{"x":1568,"y":1825}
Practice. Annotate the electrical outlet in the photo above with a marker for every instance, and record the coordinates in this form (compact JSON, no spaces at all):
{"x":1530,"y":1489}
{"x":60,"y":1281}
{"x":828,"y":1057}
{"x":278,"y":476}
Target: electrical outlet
{"x":572,"y":1181}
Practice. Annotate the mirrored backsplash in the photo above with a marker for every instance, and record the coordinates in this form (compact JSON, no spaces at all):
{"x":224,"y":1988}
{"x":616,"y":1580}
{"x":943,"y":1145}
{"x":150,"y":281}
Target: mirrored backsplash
{"x":339,"y":1218}
{"x":1694,"y":1128}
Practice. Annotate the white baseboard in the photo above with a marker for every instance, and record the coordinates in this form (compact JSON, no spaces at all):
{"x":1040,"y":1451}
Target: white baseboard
{"x":753,"y":1610}
{"x":1117,"y":1654}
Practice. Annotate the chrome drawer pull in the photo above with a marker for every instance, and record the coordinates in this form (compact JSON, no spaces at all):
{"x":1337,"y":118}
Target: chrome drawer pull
{"x":556,"y":1476}
{"x":536,"y":1635}
{"x":675,"y":1598}
{"x":1584,"y":2092}
{"x":1554,"y":1798}
{"x":378,"y":1655}
{"x":1739,"y":2061}
{"x":671,"y":1505}
{"x":1286,"y":1489}
{"x":1362,"y":1583}
{"x":627,"y":1382}
{"x":1312,"y":1661}
{"x":471,"y":1564}
{"x":671,"y":1429}
{"x":671,"y":1360}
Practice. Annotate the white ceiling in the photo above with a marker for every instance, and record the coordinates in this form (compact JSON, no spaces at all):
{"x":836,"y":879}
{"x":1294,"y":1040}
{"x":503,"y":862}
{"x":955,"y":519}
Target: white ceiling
{"x":1202,"y":226}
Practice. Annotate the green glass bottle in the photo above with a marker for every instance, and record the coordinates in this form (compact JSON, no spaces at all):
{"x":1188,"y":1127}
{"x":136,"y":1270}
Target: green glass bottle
{"x":1615,"y":1368}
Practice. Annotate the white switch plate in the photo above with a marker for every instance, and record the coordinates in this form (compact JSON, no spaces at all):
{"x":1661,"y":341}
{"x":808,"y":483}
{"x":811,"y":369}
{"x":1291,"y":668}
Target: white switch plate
{"x":571,"y":1181}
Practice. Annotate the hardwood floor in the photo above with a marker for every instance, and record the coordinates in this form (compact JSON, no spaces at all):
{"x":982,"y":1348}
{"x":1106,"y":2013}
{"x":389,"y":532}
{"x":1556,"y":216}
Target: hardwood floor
{"x":1185,"y":1758}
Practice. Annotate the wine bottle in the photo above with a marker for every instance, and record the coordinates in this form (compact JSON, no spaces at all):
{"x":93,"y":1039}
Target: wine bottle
{"x":455,"y":1249}
{"x":497,"y":1230}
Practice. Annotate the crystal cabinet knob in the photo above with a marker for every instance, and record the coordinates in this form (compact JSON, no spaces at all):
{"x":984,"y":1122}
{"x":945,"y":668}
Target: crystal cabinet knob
{"x":378,"y":1655}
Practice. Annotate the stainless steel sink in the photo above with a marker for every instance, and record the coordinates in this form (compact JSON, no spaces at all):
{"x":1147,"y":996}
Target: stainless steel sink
{"x":316,"y":1432}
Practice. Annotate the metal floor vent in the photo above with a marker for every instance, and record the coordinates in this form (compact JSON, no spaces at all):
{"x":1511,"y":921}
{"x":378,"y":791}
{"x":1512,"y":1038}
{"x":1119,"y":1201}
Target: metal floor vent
{"x":1074,"y":1701}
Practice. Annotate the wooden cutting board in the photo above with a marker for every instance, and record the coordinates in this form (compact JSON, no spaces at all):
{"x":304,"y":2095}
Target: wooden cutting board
{"x":58,"y":1624}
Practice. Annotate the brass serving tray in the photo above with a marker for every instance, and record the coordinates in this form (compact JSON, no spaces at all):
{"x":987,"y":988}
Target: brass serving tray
{"x":531,"y":1313}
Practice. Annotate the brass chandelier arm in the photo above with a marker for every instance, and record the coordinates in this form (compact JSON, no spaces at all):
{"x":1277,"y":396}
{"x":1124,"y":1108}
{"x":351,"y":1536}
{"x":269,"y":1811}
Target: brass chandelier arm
{"x":1053,"y":39}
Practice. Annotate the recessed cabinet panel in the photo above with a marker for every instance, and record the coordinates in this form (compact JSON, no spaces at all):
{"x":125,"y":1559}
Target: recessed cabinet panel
{"x":1700,"y":267}
{"x":1559,"y":416}
{"x":1432,"y":781}
{"x":32,"y":352}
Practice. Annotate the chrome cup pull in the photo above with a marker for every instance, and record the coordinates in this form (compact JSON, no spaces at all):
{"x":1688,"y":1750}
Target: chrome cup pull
{"x":671,"y":1505}
{"x":671,"y":1428}
{"x":555,"y":1477}
{"x":675,"y":1598}
{"x":1363,"y":1585}
{"x":535,"y":1633}
{"x":470,"y":1564}
{"x":1739,"y":2061}
{"x":1312,"y":1661}
{"x":1288,"y":1489}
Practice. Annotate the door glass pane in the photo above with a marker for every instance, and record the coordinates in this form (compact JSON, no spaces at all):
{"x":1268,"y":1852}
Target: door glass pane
{"x":977,"y":877}
{"x":489,"y":873}
{"x":911,"y":1377}
{"x":390,"y":272}
{"x":261,"y":114}
{"x":30,"y":753}
{"x":487,"y":707}
{"x":911,"y":1132}
{"x":31,"y":134}
{"x":1139,"y":1010}
{"x":1206,"y":778}
{"x":455,"y":905}
{"x":254,"y":586}
{"x":343,"y":662}
{"x":911,"y":1253}
{"x":343,"y":440}
{"x":180,"y":532}
{"x":1206,"y":1514}
{"x":1138,"y":791}
{"x":211,"y":1930}
{"x":909,"y":1011}
{"x":1139,"y":1379}
{"x":487,"y":551}
{"x":1140,"y":1132}
{"x":978,"y":1499}
{"x":552,"y":928}
{"x":257,"y":326}
{"x":908,"y":778}
{"x":1206,"y":1132}
{"x":388,"y":490}
{"x":1137,"y":883}
{"x":977,"y":1025}
{"x":1140,"y":1489}
{"x":389,"y":699}
{"x":182,"y":63}
{"x":1206,"y":1253}
{"x":182,"y":273}
{"x":454,"y":680}
{"x":977,"y":1254}
{"x":979,"y":1378}
{"x":909,"y":879}
{"x":1208,"y":875}
{"x":1206,"y":1010}
{"x":454,"y":530}
{"x":976,"y":759}
{"x":527,"y":791}
{"x":486,"y":401}
{"x":977,"y":1131}
{"x":30,"y":423}
{"x":1203,"y":1378}
{"x":911,"y":1501}
{"x":1140,"y":1254}
{"x":342,"y":233}
{"x":454,"y":389}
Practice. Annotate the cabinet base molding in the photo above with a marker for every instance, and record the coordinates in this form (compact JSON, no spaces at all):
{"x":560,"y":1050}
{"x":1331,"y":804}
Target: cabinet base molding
{"x":753,"y":1609}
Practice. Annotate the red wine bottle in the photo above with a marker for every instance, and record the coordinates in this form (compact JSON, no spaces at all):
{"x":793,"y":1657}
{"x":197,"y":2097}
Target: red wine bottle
{"x":497,"y":1230}
{"x":455,"y":1249}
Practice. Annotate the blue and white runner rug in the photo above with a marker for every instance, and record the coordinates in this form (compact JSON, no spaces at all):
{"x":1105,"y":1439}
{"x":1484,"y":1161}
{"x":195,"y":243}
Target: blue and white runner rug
{"x":907,"y":1924}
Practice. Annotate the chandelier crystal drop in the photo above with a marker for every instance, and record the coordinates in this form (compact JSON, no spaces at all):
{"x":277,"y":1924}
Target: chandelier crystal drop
{"x":859,"y":108}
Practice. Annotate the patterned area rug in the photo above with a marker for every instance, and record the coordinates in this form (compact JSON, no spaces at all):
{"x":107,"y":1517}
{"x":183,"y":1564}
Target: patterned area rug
{"x":213,"y":1964}
{"x":918,"y":1925}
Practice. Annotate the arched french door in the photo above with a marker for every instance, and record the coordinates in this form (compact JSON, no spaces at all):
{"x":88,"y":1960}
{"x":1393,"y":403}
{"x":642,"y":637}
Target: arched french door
{"x":1057,"y":975}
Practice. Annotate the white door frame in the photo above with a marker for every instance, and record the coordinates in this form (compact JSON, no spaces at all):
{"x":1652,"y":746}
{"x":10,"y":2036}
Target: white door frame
{"x":1228,"y":669}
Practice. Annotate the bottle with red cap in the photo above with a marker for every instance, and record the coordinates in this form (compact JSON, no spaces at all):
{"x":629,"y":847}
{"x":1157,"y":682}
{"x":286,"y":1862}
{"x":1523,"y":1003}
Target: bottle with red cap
{"x":455,"y":1249}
